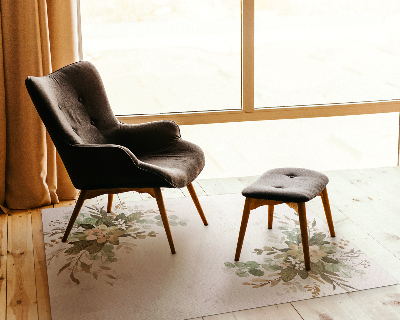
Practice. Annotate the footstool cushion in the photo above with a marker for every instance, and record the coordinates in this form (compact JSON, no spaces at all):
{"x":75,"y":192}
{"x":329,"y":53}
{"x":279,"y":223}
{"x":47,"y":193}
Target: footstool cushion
{"x":287,"y":185}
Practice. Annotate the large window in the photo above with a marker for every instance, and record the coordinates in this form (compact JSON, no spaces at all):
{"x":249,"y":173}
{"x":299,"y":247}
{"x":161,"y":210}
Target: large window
{"x":236,"y":60}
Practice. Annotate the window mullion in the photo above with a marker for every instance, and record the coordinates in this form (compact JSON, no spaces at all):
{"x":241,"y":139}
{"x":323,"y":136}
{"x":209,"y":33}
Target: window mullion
{"x":248,"y":55}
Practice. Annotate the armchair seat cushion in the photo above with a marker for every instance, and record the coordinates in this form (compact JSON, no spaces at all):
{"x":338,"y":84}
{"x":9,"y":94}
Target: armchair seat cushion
{"x":179,"y":165}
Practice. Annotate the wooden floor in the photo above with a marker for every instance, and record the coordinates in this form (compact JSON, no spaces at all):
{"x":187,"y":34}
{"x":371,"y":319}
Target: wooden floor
{"x":365,"y":207}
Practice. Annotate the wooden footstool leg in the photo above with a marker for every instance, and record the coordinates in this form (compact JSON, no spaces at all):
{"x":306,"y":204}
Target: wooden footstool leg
{"x":243,"y":226}
{"x":270,"y":215}
{"x":328,"y":214}
{"x":304,"y":234}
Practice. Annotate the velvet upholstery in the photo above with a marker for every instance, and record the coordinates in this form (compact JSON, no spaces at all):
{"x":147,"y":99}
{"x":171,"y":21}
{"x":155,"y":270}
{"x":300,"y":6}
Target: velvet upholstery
{"x":98,"y":151}
{"x":287,"y":185}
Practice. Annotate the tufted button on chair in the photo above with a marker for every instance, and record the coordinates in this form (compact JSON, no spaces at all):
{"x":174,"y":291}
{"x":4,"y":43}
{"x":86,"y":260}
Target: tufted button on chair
{"x":105,"y":156}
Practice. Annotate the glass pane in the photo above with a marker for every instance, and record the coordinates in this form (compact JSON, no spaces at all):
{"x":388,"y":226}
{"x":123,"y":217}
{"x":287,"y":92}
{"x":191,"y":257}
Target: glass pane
{"x":326,"y":51}
{"x":159,"y":56}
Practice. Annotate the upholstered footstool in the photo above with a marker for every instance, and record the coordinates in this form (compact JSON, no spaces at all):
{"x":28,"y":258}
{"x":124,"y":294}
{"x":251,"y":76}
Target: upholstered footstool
{"x":293,"y":186}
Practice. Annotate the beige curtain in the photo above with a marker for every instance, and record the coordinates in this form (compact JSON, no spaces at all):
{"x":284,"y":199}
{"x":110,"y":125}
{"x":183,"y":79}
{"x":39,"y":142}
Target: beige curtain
{"x":37,"y":36}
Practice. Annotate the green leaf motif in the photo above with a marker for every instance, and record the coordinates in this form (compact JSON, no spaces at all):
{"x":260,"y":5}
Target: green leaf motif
{"x":314,"y":224}
{"x":256,"y":272}
{"x":121,"y":216}
{"x":108,"y":248}
{"x":332,"y":268}
{"x":271,"y":267}
{"x":230,"y":265}
{"x":293,"y":236}
{"x":95,"y":247}
{"x":252,"y":264}
{"x":326,"y":278}
{"x":288,"y":274}
{"x":240,"y":264}
{"x":242,"y":273}
{"x":78,"y":246}
{"x":74,"y":279}
{"x":103,"y":212}
{"x":134,"y":216}
{"x":318,"y":267}
{"x":64,"y":267}
{"x":318,"y":239}
{"x":106,"y":221}
{"x":329,"y":260}
{"x":86,"y":226}
{"x":302,"y":273}
{"x":86,"y":267}
{"x":105,"y":268}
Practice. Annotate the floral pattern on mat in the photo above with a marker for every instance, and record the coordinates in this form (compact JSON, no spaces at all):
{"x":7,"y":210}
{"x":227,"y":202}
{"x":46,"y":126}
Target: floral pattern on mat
{"x":97,"y":235}
{"x":333,"y":262}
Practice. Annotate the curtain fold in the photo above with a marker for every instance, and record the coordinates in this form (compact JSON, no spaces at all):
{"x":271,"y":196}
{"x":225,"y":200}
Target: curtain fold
{"x":38,"y":36}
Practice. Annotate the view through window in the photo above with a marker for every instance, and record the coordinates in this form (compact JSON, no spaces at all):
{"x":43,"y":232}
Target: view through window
{"x":160,"y":56}
{"x":326,"y":51}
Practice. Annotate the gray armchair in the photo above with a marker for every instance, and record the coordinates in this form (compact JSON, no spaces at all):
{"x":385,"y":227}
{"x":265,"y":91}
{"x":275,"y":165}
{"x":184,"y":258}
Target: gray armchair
{"x":105,"y":156}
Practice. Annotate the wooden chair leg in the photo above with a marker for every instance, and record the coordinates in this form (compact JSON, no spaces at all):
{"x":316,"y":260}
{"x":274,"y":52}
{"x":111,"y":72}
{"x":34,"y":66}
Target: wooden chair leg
{"x":270,"y":215}
{"x":243,"y":226}
{"x":304,"y":234}
{"x":78,"y":206}
{"x":328,"y":214}
{"x":197,"y":203}
{"x":109,"y":204}
{"x":163,"y":213}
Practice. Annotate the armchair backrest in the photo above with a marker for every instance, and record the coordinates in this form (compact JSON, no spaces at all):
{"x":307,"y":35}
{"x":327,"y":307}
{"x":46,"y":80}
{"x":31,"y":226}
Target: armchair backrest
{"x":73,"y":105}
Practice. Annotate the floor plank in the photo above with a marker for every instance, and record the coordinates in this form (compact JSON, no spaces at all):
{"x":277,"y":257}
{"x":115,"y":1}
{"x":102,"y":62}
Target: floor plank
{"x":212,"y":186}
{"x":282,"y":312}
{"x":129,"y":196}
{"x":21,"y":285}
{"x":340,"y":306}
{"x":251,"y":314}
{"x":43,"y":298}
{"x":224,"y":316}
{"x":231,"y":185}
{"x":172,"y":193}
{"x":379,"y":303}
{"x":3,"y":266}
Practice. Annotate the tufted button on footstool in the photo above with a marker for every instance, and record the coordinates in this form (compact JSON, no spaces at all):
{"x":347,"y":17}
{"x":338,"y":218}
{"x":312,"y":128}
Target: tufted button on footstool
{"x":286,"y":185}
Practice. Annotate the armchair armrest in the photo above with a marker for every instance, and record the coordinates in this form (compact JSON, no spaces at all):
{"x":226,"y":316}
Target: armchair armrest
{"x":98,"y":166}
{"x":147,"y":138}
